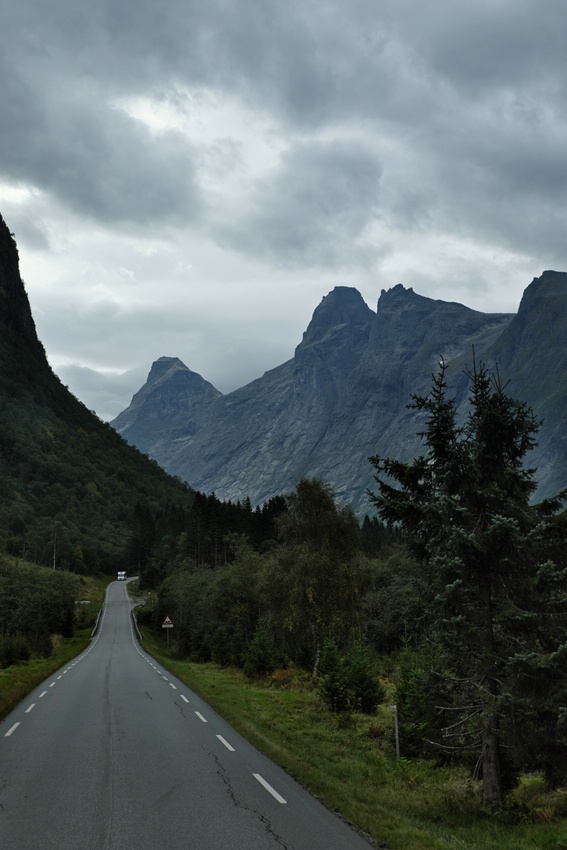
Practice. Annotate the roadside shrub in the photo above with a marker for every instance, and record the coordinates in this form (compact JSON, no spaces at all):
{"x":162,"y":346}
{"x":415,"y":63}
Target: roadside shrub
{"x":349,"y":682}
{"x":260,"y":657}
{"x":14,"y":649}
{"x":417,"y":695}
{"x":331,"y":659}
{"x":335,"y":691}
{"x":367,"y":692}
{"x":222,"y":649}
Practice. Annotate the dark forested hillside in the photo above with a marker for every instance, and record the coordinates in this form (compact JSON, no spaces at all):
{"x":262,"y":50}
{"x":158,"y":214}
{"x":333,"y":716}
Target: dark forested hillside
{"x":69,"y":485}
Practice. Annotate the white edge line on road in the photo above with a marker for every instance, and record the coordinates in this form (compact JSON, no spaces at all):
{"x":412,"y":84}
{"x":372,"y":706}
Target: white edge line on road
{"x":227,"y":745}
{"x":269,"y":788}
{"x":11,"y":729}
{"x":184,"y":698}
{"x":30,"y":708}
{"x":200,"y":716}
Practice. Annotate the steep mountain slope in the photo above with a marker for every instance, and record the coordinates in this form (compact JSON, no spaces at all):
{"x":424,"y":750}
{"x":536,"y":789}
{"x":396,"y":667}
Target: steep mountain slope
{"x":532,"y":352}
{"x":344,"y":394}
{"x":69,"y":484}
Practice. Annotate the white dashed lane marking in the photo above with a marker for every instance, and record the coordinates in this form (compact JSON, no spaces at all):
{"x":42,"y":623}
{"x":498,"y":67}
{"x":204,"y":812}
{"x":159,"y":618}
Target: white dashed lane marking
{"x":269,"y":788}
{"x":227,"y":745}
{"x":223,"y":741}
{"x":11,"y":729}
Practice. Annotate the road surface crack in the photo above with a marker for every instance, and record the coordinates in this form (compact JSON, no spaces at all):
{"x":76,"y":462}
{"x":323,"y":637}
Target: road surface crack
{"x":221,"y":773}
{"x":180,"y":707}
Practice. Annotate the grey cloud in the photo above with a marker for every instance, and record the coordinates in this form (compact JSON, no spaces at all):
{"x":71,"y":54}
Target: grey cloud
{"x":310,"y":64}
{"x":94,"y":158}
{"x":483,"y":46}
{"x":501,"y":183}
{"x":305,"y":63}
{"x":444,"y":121}
{"x":313,"y":208}
{"x":31,"y":232}
{"x":107,"y":394}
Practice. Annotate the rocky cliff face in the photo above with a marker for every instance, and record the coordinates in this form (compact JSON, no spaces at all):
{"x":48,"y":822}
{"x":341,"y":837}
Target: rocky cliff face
{"x":532,"y":353}
{"x":15,"y":311}
{"x":344,"y":394}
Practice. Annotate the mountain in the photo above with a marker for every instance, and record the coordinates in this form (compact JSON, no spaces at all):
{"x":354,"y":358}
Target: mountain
{"x":69,"y":485}
{"x":344,"y":394}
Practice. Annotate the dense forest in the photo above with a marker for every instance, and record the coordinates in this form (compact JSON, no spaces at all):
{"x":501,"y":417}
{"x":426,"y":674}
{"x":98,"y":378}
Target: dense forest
{"x":35,"y":604}
{"x":293,"y":581}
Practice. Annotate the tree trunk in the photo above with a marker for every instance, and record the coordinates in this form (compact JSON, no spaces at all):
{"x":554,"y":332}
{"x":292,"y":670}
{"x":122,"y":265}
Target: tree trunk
{"x":490,"y":758}
{"x":317,"y":660}
{"x":491,"y":779}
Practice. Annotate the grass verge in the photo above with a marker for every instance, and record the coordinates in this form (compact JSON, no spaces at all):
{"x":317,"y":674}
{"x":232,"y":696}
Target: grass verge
{"x":351,"y":766}
{"x":18,"y":680}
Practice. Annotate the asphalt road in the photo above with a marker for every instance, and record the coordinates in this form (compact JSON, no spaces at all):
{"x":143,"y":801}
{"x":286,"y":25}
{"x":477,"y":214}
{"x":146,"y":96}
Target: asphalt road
{"x":114,"y":753}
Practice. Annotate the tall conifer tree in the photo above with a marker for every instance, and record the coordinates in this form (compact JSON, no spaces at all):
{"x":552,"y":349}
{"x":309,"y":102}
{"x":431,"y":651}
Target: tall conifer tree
{"x":498,"y":600}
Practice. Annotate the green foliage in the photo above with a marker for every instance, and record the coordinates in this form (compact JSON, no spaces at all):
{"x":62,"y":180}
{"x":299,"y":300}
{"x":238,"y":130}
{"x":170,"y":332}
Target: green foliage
{"x":259,"y":609}
{"x":168,"y":539}
{"x":421,"y":692}
{"x":349,"y":682}
{"x":497,"y":579}
{"x":14,"y":649}
{"x":313,"y":582}
{"x":35,"y":603}
{"x":374,"y":535}
{"x":260,"y":656}
{"x":397,"y":601}
{"x":215,"y":611}
{"x":367,"y":692}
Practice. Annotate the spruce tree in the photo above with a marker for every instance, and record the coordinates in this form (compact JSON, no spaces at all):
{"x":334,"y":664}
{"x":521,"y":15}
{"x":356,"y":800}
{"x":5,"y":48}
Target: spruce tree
{"x":498,"y":600}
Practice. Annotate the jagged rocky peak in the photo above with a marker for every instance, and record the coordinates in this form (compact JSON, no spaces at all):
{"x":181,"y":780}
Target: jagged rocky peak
{"x":165,"y":366}
{"x":15,"y":308}
{"x":344,"y":395}
{"x":343,"y":306}
{"x":542,"y":305}
{"x":171,"y":389}
{"x":404,"y":314}
{"x":399,"y":298}
{"x":173,"y":370}
{"x":538,"y":332}
{"x":551,"y":286}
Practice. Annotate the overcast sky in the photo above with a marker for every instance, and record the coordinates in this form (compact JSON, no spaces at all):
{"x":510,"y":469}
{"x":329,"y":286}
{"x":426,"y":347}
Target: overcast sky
{"x":189,"y":178}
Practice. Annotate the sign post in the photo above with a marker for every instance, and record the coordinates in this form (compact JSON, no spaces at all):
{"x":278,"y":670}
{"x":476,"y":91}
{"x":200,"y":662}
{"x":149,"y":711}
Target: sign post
{"x":167,"y":624}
